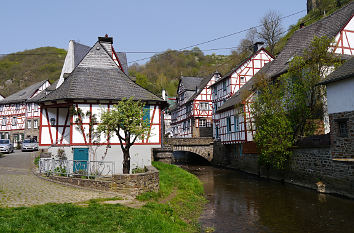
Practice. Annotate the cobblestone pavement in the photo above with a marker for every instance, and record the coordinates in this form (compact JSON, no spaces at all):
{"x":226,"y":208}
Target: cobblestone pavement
{"x":19,"y":187}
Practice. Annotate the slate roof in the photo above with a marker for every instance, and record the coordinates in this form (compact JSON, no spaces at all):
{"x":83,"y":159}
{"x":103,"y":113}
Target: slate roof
{"x":123,"y":61}
{"x":343,"y":72}
{"x":80,"y":51}
{"x":23,"y":95}
{"x":97,"y":77}
{"x":329,"y":26}
{"x":43,"y":93}
{"x":190,"y":83}
{"x":201,"y":87}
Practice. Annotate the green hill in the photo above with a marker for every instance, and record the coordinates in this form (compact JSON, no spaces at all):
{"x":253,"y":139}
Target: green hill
{"x":163,"y":70}
{"x":22,"y":69}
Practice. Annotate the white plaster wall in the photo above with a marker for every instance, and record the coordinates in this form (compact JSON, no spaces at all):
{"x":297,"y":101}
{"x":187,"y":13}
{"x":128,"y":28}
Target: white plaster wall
{"x":68,"y":66}
{"x":140,"y":155}
{"x":340,"y":96}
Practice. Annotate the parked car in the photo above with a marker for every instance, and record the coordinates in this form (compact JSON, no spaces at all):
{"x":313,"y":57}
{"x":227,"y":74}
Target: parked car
{"x":29,"y":145}
{"x":6,"y":146}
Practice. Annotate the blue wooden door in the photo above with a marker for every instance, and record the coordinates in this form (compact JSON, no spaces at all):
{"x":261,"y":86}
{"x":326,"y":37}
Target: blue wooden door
{"x":80,"y":159}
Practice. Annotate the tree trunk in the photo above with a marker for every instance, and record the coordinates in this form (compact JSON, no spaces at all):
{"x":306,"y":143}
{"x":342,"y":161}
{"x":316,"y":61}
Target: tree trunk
{"x":126,"y":162}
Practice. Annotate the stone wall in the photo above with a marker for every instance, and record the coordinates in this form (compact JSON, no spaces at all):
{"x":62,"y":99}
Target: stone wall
{"x":342,"y":147}
{"x":231,"y":156}
{"x":308,"y":167}
{"x":131,"y":184}
{"x":164,"y":155}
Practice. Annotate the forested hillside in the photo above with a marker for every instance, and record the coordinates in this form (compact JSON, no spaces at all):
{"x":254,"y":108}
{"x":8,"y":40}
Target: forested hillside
{"x":22,"y":69}
{"x":162,"y":71}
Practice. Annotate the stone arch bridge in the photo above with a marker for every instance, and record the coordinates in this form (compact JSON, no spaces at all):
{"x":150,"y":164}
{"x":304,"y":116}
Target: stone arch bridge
{"x":201,"y":146}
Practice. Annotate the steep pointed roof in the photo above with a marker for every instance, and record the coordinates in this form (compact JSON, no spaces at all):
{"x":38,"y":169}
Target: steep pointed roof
{"x":23,"y":95}
{"x":201,"y":86}
{"x":97,"y":77}
{"x":190,"y":83}
{"x":80,"y":51}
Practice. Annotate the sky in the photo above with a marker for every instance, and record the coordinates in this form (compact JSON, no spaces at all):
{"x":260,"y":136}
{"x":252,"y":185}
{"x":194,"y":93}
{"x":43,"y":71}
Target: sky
{"x":136,"y":25}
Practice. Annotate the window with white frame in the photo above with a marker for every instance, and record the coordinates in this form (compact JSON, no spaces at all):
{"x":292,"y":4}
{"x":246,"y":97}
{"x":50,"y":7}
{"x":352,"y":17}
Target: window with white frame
{"x":228,"y":124}
{"x":202,"y":123}
{"x":35,"y":124}
{"x":4,"y":119}
{"x":35,"y":107}
{"x":237,"y":123}
{"x":29,"y":107}
{"x":14,"y":121}
{"x":29,"y":124}
{"x":204,"y":106}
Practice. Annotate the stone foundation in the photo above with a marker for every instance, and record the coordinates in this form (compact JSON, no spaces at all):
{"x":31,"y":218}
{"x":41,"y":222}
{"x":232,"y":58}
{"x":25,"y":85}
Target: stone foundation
{"x":131,"y":184}
{"x":164,"y":155}
{"x":342,"y":146}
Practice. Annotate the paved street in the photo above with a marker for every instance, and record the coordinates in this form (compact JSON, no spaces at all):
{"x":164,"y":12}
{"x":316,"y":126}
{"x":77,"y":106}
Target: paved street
{"x":19,"y":187}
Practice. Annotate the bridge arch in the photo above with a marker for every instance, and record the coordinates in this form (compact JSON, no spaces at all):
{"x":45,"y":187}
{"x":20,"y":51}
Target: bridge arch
{"x":200,"y":146}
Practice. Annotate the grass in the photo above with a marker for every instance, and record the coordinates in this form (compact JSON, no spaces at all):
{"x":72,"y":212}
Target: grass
{"x":179,"y":214}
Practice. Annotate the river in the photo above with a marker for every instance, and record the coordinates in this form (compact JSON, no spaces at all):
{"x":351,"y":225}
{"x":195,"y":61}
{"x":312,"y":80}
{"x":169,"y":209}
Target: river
{"x":240,"y":202}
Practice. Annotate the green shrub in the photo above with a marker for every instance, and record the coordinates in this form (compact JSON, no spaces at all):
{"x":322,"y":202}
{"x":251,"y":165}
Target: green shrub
{"x":36,"y":160}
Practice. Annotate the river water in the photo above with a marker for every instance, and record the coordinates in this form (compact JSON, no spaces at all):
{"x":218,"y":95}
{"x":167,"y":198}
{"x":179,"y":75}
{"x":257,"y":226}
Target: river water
{"x":240,"y":202}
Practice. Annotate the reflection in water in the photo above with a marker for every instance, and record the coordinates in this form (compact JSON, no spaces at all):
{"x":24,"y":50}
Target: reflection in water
{"x":244,"y":203}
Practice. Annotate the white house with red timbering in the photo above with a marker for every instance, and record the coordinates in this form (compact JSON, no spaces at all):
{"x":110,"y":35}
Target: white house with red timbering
{"x":192,"y":114}
{"x":95,"y":84}
{"x":19,"y":115}
{"x":227,"y":86}
{"x":235,"y":120}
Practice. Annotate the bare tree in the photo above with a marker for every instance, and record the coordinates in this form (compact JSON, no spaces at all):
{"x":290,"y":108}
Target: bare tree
{"x":246,"y":44}
{"x":271,"y":29}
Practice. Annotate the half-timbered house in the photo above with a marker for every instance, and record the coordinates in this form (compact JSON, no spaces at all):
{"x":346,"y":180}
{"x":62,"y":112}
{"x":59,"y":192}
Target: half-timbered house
{"x":181,"y":111}
{"x":20,"y":115}
{"x":95,"y":85}
{"x":192,"y":114}
{"x":340,"y":99}
{"x":228,"y":85}
{"x":236,"y":124}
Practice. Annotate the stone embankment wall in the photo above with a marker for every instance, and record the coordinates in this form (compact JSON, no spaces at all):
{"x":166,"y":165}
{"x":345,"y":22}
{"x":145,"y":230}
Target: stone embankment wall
{"x":132,"y":184}
{"x":311,"y":167}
